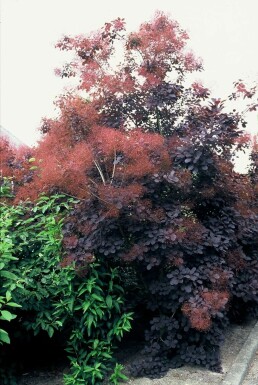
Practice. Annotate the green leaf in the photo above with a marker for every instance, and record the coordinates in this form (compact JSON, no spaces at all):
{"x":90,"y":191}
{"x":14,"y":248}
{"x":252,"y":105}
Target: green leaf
{"x":13,"y":304}
{"x":116,"y":304}
{"x":106,"y":355}
{"x":4,"y":336}
{"x":93,"y":311}
{"x":86,"y":306}
{"x":95,"y":344}
{"x":110,"y":285}
{"x":97,"y":297}
{"x":89,"y":323}
{"x":8,"y":295}
{"x":99,"y":312}
{"x":99,"y":375}
{"x":8,"y":274}
{"x":123,"y":376}
{"x":82,"y":290}
{"x":6,"y":315}
{"x":109,"y":301}
{"x":88,"y":369}
{"x":59,"y":323}
{"x":70,"y":304}
{"x":51,"y":331}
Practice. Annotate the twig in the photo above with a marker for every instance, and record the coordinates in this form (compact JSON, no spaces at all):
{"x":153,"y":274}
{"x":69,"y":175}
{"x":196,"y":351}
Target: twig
{"x":114,"y":168}
{"x":100,"y":171}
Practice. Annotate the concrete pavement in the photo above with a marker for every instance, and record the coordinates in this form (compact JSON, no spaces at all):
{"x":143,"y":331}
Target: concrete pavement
{"x":239,"y":370}
{"x":239,"y":363}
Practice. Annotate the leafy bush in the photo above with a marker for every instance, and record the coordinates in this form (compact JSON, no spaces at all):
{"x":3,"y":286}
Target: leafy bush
{"x":151,"y":160}
{"x":88,"y":310}
{"x":7,"y":278}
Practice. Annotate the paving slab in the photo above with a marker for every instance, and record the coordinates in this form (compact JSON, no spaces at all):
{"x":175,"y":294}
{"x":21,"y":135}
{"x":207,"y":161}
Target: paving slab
{"x":252,"y":374}
{"x":244,"y":363}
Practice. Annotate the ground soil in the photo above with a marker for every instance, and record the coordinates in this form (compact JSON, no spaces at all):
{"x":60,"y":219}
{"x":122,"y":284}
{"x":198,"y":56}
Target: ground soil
{"x":187,"y":375}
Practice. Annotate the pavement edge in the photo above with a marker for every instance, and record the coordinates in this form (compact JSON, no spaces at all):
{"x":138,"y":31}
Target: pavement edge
{"x":239,"y":368}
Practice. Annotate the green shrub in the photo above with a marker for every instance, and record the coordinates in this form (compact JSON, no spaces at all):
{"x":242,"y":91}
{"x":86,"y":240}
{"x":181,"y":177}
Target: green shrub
{"x":7,"y":278}
{"x":86,"y":306}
